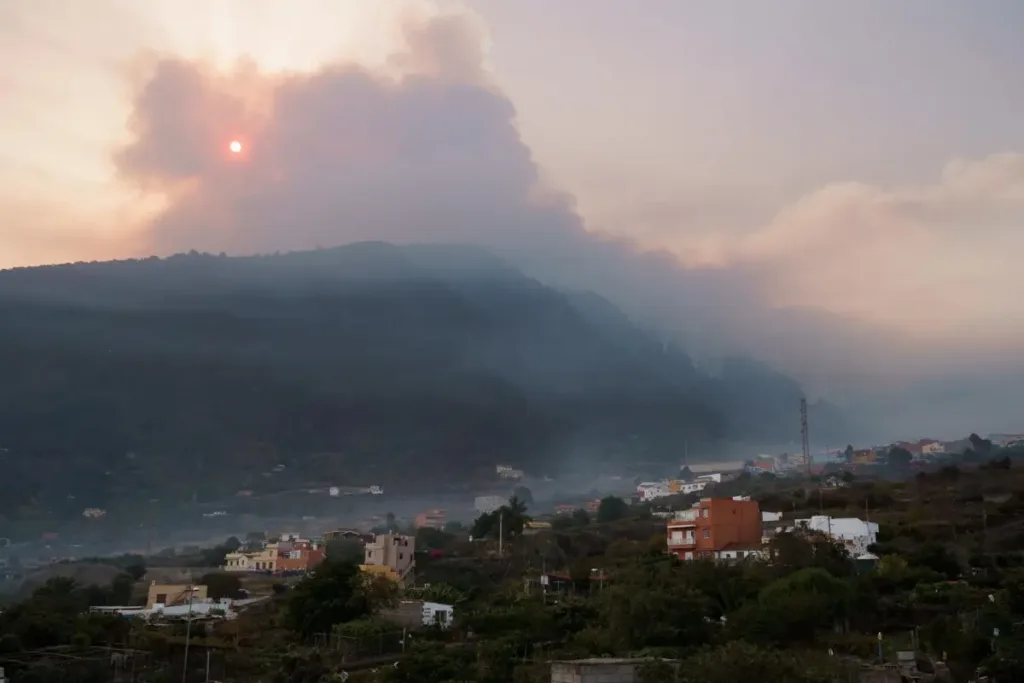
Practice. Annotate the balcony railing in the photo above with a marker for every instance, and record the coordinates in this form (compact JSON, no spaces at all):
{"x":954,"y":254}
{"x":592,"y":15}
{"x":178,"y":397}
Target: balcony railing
{"x":681,"y":542}
{"x":685,"y":515}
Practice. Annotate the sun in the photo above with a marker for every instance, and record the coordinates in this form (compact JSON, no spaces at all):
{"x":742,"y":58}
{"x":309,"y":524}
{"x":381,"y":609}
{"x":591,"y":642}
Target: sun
{"x":235,"y":147}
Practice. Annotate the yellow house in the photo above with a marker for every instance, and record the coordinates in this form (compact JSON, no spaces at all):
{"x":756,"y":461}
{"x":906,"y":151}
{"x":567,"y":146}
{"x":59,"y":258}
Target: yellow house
{"x":260,"y":560}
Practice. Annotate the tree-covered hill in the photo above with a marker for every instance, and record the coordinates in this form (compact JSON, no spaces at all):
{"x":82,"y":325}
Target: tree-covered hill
{"x":405,"y":364}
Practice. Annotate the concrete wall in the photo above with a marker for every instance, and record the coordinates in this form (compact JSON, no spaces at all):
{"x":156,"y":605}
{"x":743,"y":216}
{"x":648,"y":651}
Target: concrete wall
{"x":574,"y":672}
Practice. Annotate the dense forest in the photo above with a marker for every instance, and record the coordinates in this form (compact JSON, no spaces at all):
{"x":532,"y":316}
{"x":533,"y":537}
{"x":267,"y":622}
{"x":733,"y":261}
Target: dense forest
{"x":149,"y":375}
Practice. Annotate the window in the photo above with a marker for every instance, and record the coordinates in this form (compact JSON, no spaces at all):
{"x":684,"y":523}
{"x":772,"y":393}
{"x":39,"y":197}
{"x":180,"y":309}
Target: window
{"x":707,"y":533}
{"x":401,"y":556}
{"x":161,"y":598}
{"x":739,"y":555}
{"x":704,"y":512}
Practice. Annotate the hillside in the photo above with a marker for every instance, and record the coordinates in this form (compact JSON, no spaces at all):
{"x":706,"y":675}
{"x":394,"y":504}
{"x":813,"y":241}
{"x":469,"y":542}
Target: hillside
{"x":195,"y":374}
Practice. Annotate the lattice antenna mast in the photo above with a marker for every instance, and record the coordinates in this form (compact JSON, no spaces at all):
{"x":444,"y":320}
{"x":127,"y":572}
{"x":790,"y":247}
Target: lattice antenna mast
{"x":803,"y":436}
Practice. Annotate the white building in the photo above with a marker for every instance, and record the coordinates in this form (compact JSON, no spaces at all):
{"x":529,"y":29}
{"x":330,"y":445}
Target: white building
{"x":650,"y":490}
{"x":506,"y":472}
{"x":700,"y":483}
{"x":488,"y":504}
{"x":770,"y":516}
{"x":854,"y":533}
{"x":438,"y":613}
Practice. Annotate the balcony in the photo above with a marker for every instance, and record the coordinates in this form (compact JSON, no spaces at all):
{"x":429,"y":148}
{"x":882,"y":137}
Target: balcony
{"x":681,"y":540}
{"x":685,"y":515}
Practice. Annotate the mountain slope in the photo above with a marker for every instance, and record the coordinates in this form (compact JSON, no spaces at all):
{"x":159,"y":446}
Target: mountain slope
{"x":413,"y":365}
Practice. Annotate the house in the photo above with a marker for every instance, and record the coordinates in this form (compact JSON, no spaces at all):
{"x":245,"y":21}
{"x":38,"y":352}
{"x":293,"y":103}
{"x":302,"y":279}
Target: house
{"x":855,"y":534}
{"x":289,"y":554}
{"x":650,"y":490}
{"x":431,"y":519}
{"x":716,"y":528}
{"x":392,"y":555}
{"x":697,"y":485}
{"x":763,"y":464}
{"x":437,"y":614}
{"x":171,"y":595}
{"x":262,"y":560}
{"x":300,"y":556}
{"x":931,"y":447}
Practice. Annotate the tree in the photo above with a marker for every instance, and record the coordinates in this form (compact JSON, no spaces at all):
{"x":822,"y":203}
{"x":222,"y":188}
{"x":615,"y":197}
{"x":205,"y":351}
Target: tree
{"x":792,"y":609}
{"x":792,"y":551}
{"x":524,"y":494}
{"x":848,"y":453}
{"x":983,"y":447}
{"x":255,"y":539}
{"x":739,"y":661}
{"x":580,"y":517}
{"x":343,"y":549}
{"x":377,"y":591}
{"x":136,"y":571}
{"x":509,"y":520}
{"x":330,"y":596}
{"x":899,"y":457}
{"x":121,"y":589}
{"x":428,"y":538}
{"x":221,"y":585}
{"x":454,"y":527}
{"x":612,"y":509}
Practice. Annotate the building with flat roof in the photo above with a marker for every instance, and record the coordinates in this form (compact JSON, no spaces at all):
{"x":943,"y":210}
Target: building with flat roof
{"x":716,"y":528}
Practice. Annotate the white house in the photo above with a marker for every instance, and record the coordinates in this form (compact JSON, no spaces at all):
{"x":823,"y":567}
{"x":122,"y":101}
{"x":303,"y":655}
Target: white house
{"x":438,"y":613}
{"x":650,"y":490}
{"x":854,"y":533}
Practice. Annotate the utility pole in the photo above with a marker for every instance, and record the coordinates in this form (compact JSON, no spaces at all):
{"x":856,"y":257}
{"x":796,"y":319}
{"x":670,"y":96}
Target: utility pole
{"x":803,"y":435}
{"x":207,"y":665}
{"x":188,"y":633}
{"x":501,"y":532}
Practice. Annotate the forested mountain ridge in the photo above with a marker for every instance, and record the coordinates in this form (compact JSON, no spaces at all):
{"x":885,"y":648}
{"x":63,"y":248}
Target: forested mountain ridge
{"x":423,"y":363}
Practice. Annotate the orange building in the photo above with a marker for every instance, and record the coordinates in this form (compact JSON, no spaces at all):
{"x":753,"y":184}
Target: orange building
{"x":716,"y":528}
{"x":432,"y":519}
{"x":301,"y":557}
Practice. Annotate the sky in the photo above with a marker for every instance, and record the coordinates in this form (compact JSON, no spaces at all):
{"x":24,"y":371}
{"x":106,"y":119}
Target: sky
{"x":835,"y":188}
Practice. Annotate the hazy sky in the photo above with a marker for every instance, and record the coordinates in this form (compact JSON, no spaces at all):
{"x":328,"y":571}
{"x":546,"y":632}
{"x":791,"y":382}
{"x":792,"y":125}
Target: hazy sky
{"x":859,"y":163}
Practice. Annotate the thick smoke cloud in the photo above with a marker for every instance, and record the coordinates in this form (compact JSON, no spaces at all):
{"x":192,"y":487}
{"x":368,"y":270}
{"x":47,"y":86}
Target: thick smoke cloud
{"x":427,"y":149}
